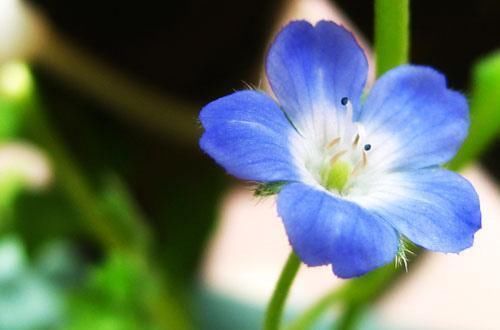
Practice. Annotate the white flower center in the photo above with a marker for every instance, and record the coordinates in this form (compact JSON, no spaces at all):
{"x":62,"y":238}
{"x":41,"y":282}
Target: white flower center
{"x":343,"y":161}
{"x":336,"y":157}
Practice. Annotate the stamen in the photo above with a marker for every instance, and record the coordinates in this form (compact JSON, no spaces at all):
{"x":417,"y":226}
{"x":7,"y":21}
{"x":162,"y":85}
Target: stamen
{"x":361,"y":163}
{"x":356,"y":169}
{"x":344,"y":100}
{"x":333,"y":143}
{"x":337,"y":156}
{"x":356,"y":141}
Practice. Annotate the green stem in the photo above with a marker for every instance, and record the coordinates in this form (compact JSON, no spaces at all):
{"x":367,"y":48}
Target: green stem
{"x":312,"y":314}
{"x":357,"y":291}
{"x":391,"y":34}
{"x":276,"y":305}
{"x":350,"y":318}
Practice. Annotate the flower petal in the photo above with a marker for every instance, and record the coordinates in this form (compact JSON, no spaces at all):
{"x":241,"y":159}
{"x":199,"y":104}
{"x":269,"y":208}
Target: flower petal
{"x":324,"y":229}
{"x":434,"y":208}
{"x":311,"y":68}
{"x":412,"y":120}
{"x":247,"y":134}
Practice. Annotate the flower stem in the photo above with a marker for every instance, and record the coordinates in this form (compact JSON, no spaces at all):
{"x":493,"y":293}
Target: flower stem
{"x":142,"y":105}
{"x":350,"y":319}
{"x":276,"y":305}
{"x":392,"y":33}
{"x":358,"y":291}
{"x":312,"y":314}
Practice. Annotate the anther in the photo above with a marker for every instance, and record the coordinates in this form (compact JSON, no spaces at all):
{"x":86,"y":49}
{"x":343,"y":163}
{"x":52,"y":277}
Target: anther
{"x":356,"y":169}
{"x":344,"y":100}
{"x":365,"y":159}
{"x":367,"y":147}
{"x":333,"y":142}
{"x":361,"y":164}
{"x":356,"y":140}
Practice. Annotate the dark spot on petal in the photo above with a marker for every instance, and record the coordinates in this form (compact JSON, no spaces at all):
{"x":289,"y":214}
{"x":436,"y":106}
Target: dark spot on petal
{"x":367,"y":147}
{"x":344,"y":100}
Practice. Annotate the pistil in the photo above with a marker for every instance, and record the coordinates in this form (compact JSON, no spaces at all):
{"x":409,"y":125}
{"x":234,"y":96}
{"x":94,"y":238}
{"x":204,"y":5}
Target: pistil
{"x":337,"y":175}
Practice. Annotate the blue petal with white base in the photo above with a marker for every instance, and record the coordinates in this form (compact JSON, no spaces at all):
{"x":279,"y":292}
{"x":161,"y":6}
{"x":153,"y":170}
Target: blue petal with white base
{"x":324,"y":229}
{"x":311,"y":68}
{"x":247,"y":134}
{"x":413,"y":120}
{"x":434,"y":208}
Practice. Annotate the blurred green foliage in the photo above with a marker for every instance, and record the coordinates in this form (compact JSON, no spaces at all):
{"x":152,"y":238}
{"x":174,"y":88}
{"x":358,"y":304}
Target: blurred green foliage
{"x":28,"y":299}
{"x":91,"y":205}
{"x":110,"y":299}
{"x":15,"y":87}
{"x":485,"y":110}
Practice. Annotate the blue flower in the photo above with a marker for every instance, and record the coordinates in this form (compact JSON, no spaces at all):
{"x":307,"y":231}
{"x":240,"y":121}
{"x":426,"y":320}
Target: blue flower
{"x":358,"y":174}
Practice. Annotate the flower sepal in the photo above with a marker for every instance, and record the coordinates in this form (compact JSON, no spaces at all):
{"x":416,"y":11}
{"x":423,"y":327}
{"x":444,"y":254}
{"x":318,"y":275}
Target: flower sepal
{"x":265,"y":189}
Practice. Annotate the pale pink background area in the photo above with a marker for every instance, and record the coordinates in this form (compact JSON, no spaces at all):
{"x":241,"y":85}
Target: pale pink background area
{"x":442,"y":292}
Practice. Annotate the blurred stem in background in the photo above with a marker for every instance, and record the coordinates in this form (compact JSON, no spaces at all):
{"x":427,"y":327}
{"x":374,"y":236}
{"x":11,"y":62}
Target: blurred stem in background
{"x":163,"y":115}
{"x":392,"y":34}
{"x":127,"y":234}
{"x":485,"y":110}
